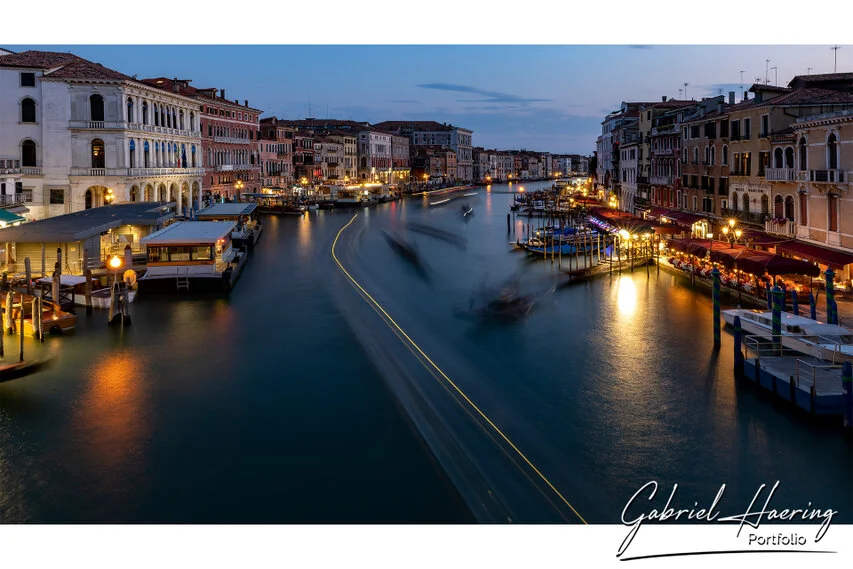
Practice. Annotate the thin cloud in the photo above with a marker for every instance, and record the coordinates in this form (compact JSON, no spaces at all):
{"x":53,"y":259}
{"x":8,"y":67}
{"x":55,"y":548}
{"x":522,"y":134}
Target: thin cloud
{"x":491,"y":96}
{"x":641,"y":46}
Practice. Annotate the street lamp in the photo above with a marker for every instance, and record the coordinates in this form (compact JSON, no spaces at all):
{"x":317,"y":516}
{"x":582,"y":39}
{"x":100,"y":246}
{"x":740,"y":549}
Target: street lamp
{"x":732,"y":233}
{"x":109,"y":197}
{"x":115,"y":264}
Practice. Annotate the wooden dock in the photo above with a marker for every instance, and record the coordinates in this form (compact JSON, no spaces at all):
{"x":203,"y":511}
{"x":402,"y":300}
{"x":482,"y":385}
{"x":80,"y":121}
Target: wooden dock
{"x":52,"y":321}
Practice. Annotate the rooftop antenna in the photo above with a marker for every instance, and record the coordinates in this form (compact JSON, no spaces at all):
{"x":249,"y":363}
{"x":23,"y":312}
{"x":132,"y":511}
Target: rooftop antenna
{"x":741,"y":79}
{"x":680,"y":91}
{"x":835,"y":48}
{"x":775,"y":71}
{"x":309,"y":107}
{"x":766,"y":71}
{"x":685,"y":91}
{"x":809,"y":71}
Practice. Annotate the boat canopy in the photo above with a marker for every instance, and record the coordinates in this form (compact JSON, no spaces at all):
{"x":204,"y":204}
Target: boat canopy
{"x":190,"y":233}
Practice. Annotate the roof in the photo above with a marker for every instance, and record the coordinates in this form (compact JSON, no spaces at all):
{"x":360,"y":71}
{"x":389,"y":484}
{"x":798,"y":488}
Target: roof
{"x":80,"y":68}
{"x":36,"y":59}
{"x":805,"y":96}
{"x":83,"y":224}
{"x":416,"y":126}
{"x":227,"y":210}
{"x":821,"y":77}
{"x":190,"y":232}
{"x":183,"y":87}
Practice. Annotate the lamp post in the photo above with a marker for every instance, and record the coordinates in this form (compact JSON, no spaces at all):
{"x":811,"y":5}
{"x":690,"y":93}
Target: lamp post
{"x":238,"y":185}
{"x":109,"y":196}
{"x":732,"y":233}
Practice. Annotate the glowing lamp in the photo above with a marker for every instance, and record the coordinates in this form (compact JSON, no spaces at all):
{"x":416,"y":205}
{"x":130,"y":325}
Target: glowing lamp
{"x":115,"y":262}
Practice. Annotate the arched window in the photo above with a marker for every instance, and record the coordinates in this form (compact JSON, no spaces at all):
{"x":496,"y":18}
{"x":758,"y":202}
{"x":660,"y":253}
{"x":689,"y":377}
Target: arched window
{"x":789,"y":208}
{"x":144,"y":112}
{"x":132,"y":154}
{"x":133,"y":194}
{"x":765,"y":205}
{"x":707,"y":155}
{"x":734,"y":201}
{"x":28,"y":153}
{"x":28,"y":110}
{"x":789,"y":157}
{"x":778,"y":207}
{"x":96,"y":107}
{"x":183,"y":163}
{"x":181,"y":120}
{"x":98,"y":159}
{"x":713,"y":155}
{"x":832,"y":152}
{"x":192,"y":152}
{"x":804,"y":209}
{"x":745,"y":200}
{"x":209,"y":130}
{"x":192,"y":121}
{"x":778,"y":159}
{"x":725,"y":155}
{"x":803,"y":157}
{"x":88,"y":199}
{"x":146,"y":154}
{"x":129,"y":110}
{"x":156,"y":115}
{"x":162,"y":115}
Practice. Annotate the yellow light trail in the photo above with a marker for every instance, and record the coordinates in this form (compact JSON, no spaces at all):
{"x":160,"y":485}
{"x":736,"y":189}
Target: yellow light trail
{"x":399,"y":331}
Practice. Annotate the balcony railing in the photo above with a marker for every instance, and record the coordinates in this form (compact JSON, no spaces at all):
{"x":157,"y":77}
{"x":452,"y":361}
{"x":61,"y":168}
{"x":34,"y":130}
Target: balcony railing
{"x":661,"y":180}
{"x":224,"y":167}
{"x":826,"y":176}
{"x":787,"y":228}
{"x":137,"y":172}
{"x":780,"y":174}
{"x":749,"y":217}
{"x":25,"y":196}
{"x":162,"y":130}
{"x":231,"y":140}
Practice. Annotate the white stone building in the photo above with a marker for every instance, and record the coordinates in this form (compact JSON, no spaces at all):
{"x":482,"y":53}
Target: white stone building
{"x":77,"y":134}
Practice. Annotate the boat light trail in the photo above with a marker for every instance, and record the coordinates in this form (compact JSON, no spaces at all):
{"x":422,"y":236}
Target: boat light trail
{"x":438,"y":202}
{"x":471,"y":194}
{"x":401,"y":333}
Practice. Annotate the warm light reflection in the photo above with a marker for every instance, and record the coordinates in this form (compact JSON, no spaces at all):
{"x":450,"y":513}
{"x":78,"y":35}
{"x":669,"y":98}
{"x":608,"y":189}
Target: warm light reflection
{"x":626,"y":296}
{"x":304,"y":232}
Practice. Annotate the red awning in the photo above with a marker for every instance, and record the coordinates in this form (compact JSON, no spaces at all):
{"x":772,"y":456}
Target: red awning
{"x":831,"y":257}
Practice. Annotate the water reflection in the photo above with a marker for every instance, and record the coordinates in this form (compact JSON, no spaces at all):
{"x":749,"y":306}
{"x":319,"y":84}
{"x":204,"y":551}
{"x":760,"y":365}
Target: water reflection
{"x":626,"y":296}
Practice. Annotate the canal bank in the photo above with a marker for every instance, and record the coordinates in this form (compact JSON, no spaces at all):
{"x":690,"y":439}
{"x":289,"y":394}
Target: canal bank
{"x":267,"y":405}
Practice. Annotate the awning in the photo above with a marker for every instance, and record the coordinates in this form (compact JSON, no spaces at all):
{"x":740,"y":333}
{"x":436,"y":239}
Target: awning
{"x":697,"y":247}
{"x":831,"y":257}
{"x":8,"y":217}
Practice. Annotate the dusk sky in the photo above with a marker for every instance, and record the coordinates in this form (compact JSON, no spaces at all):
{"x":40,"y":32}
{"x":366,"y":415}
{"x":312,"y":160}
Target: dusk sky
{"x":539,"y":97}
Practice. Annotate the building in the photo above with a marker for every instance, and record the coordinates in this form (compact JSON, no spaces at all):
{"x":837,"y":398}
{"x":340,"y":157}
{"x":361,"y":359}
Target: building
{"x":400,"y":163}
{"x":374,"y":155}
{"x":704,"y":156}
{"x":75,"y":135}
{"x":230,"y":134}
{"x":330,"y":158}
{"x":349,"y":140}
{"x":277,"y":142}
{"x":431,"y":133}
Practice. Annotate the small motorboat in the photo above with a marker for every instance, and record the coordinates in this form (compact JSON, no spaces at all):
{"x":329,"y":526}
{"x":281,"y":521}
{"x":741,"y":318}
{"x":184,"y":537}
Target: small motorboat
{"x":467,"y":210}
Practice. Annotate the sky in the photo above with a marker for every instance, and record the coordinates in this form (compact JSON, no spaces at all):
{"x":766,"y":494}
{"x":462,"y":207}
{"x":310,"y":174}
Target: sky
{"x":549,"y":98}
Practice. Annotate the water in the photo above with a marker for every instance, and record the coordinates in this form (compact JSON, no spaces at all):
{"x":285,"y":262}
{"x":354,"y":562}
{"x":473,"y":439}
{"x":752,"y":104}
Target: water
{"x":297,"y":399}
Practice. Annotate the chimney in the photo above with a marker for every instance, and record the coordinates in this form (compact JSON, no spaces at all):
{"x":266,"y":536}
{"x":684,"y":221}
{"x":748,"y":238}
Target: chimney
{"x":245,"y":103}
{"x":175,"y":86}
{"x":222,"y":93}
{"x":745,"y":95}
{"x":663,"y":99}
{"x":720,"y":107}
{"x":731,"y":97}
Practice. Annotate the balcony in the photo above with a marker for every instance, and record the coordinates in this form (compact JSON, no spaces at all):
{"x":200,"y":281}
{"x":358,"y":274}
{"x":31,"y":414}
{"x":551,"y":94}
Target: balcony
{"x":661,"y":180}
{"x":780,"y":174}
{"x":161,"y":130}
{"x":787,"y":228}
{"x":224,"y":167}
{"x":231,"y":140}
{"x":25,"y":196}
{"x":756,"y":218}
{"x":136,"y":172}
{"x":826,"y":176}
{"x":98,"y":125}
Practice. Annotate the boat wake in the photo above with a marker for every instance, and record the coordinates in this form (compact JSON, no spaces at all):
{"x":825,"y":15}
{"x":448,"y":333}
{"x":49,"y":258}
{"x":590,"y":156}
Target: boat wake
{"x":481,"y":443}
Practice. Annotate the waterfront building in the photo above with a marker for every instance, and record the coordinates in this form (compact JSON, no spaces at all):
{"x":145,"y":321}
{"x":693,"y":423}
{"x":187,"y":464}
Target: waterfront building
{"x":230,"y":134}
{"x":503,"y":165}
{"x":374,"y":155}
{"x":616,"y":128}
{"x":772,"y":111}
{"x":820,"y":213}
{"x":277,"y":141}
{"x":349,"y":140}
{"x":628,"y":169}
{"x":305,"y":167}
{"x":431,"y":133}
{"x":704,"y":156}
{"x":437,"y":162}
{"x":75,"y":135}
{"x":330,"y":158}
{"x":665,"y":162}
{"x":400,"y":164}
{"x":86,"y":238}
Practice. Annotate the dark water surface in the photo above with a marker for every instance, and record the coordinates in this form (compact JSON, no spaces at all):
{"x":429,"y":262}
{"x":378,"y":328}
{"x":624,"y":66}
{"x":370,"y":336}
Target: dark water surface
{"x":301,"y":399}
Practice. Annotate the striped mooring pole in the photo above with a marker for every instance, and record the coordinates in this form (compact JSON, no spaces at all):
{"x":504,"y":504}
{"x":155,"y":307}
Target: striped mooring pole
{"x":716,"y":298}
{"x":738,"y":348}
{"x":777,"y":317}
{"x":795,"y":303}
{"x":847,"y":386}
{"x":830,"y":297}
{"x":812,"y":307}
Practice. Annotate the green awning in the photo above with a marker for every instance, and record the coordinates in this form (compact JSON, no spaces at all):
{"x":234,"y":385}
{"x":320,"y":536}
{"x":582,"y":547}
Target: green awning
{"x":8,"y":217}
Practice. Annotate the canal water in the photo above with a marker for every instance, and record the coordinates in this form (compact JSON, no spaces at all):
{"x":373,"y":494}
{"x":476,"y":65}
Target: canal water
{"x":359,"y":387}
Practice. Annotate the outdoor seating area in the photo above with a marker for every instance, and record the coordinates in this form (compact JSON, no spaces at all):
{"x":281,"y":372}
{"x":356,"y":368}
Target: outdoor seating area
{"x":748,"y":270}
